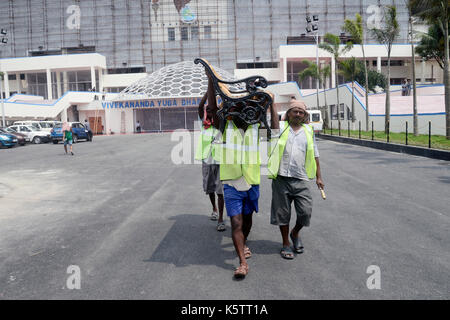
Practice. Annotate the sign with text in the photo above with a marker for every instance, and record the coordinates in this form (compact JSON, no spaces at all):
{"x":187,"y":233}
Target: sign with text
{"x":156,"y":103}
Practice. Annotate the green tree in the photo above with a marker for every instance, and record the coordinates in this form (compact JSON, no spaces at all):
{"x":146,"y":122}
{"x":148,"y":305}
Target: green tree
{"x":387,"y":35}
{"x":325,"y":73}
{"x":437,"y":11}
{"x":431,"y":45}
{"x":322,"y":74}
{"x":374,"y":77}
{"x":413,"y":70}
{"x":356,"y":30}
{"x":349,"y":69}
{"x":332,"y":44}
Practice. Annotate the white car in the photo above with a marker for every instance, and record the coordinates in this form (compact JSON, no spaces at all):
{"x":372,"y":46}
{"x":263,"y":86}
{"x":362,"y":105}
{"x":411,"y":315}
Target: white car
{"x":48,"y":125}
{"x":33,"y":134}
{"x":42,"y":125}
{"x":315,"y":118}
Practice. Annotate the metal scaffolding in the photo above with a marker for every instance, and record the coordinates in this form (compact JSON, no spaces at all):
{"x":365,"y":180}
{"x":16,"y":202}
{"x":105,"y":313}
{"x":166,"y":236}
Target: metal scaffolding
{"x":157,"y":33}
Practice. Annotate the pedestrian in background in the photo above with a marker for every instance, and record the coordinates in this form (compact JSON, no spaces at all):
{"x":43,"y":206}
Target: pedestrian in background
{"x":88,"y":128}
{"x":138,"y":127}
{"x":67,"y":136}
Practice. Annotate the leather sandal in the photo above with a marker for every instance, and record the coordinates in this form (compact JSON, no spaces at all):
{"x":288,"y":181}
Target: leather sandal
{"x":287,"y":253}
{"x":241,"y":271}
{"x":297,"y":243}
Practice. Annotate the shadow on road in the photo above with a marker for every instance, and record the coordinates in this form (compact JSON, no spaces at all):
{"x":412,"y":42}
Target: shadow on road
{"x":194,"y":240}
{"x":444,"y":179}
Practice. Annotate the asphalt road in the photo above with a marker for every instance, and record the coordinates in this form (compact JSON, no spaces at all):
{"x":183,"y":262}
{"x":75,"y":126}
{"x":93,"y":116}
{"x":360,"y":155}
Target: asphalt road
{"x":138,"y":227}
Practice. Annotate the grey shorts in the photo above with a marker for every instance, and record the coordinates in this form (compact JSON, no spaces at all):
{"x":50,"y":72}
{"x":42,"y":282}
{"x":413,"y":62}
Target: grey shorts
{"x":211,"y":178}
{"x":284,"y":191}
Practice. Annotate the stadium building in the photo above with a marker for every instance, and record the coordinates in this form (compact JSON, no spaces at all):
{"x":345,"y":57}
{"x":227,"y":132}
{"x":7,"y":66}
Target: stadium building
{"x":81,"y":59}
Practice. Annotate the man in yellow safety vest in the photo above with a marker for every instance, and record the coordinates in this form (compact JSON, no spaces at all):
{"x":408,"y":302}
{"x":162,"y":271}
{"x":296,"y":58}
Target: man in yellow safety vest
{"x":238,"y":154}
{"x":293,"y":160}
{"x":210,"y":168}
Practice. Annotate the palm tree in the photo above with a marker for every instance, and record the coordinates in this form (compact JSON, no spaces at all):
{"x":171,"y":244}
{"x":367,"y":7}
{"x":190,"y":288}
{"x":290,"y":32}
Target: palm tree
{"x":356,"y":30}
{"x":437,"y":11}
{"x":413,"y":67}
{"x":332,"y":44}
{"x":431,"y":45}
{"x":387,"y":35}
{"x":322,"y":74}
{"x":349,"y":69}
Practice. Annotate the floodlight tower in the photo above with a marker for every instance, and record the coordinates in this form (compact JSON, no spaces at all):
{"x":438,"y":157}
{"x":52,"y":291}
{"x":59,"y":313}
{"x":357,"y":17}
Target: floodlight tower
{"x":312,"y":27}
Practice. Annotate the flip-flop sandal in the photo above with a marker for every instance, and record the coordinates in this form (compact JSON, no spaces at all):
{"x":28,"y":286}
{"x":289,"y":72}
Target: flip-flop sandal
{"x":287,"y":253}
{"x":214,"y":216}
{"x":247,"y":252}
{"x":221,"y":226}
{"x":297,"y":243}
{"x":241,"y":271}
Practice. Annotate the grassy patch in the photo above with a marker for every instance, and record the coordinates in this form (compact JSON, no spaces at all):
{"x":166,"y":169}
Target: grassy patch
{"x":437,"y":142}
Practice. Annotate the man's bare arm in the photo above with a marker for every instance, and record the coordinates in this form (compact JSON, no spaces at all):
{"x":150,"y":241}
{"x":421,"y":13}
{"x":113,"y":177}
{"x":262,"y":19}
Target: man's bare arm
{"x":274,"y":122}
{"x":319,"y":181}
{"x":201,"y":106}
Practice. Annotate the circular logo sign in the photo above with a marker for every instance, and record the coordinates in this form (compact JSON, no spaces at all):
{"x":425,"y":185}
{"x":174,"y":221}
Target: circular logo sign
{"x":187,"y":15}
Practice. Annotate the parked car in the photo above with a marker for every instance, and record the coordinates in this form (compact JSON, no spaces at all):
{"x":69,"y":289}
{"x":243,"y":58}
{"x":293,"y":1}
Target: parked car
{"x":34,"y":124}
{"x":21,"y":138}
{"x":35,"y":135}
{"x":315,"y":119}
{"x":7,"y":140}
{"x":43,"y":125}
{"x":48,"y":125}
{"x":79,"y":132}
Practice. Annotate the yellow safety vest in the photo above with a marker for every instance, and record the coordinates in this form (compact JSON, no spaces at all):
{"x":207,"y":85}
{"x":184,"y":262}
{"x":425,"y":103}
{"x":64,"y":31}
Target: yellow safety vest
{"x":277,"y":150}
{"x":239,"y":156}
{"x":204,"y":142}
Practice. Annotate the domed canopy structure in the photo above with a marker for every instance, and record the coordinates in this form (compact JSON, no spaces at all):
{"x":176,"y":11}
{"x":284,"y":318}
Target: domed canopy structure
{"x":179,"y":80}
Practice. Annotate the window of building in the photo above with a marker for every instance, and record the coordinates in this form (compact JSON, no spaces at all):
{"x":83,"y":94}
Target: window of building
{"x":207,"y":32}
{"x":11,"y":77}
{"x":254,"y":65}
{"x":37,"y":84}
{"x":194,"y":32}
{"x":126,"y":70}
{"x":333,"y":112}
{"x":397,"y":81}
{"x":394,"y":63}
{"x":342,"y":111}
{"x":171,"y":34}
{"x":184,"y":33}
{"x":349,"y":114}
{"x":115,"y":89}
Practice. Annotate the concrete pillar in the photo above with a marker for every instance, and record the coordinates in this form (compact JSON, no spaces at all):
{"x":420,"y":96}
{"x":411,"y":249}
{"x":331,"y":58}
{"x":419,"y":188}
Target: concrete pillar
{"x":93,"y":80}
{"x":379,"y":64}
{"x":19,"y":83}
{"x":65,"y":82}
{"x":49,"y":85}
{"x":333,"y":73}
{"x":6,"y":85}
{"x":284,"y":70}
{"x":100,"y":80}
{"x":58,"y":84}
